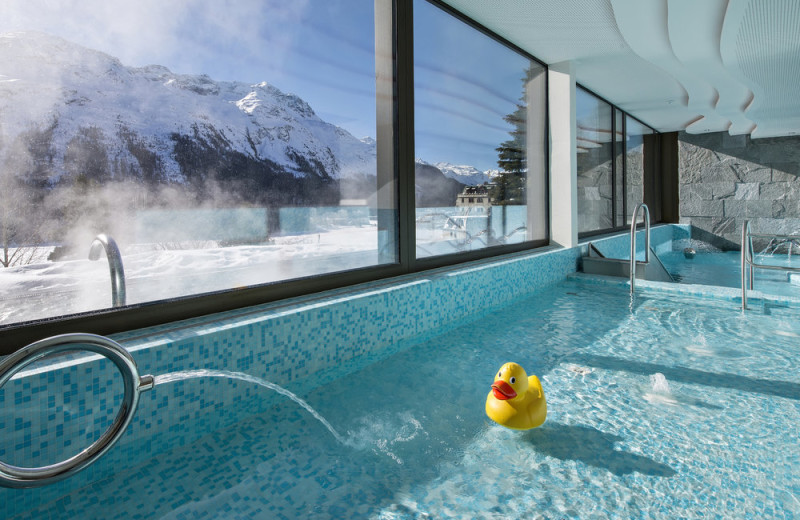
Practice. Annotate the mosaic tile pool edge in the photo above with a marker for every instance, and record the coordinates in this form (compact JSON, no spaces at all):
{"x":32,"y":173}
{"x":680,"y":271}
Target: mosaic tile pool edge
{"x":288,"y":343}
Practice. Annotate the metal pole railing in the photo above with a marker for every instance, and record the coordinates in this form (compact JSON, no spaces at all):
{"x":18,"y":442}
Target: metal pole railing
{"x":105,"y":243}
{"x":646,"y":217}
{"x":744,"y":262}
{"x":748,"y":259}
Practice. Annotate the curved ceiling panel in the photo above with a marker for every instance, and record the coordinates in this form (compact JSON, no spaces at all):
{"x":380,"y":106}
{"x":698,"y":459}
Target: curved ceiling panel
{"x":585,"y":33}
{"x":698,"y":65}
{"x":645,"y":27}
{"x":694,"y":30}
{"x":638,"y":87}
{"x":760,"y":43}
{"x":587,"y":30}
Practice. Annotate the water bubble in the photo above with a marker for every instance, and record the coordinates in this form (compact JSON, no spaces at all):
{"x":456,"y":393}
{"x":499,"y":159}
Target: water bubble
{"x":659,"y":391}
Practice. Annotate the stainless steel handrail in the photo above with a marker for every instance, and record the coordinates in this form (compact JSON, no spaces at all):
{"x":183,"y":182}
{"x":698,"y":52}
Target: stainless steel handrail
{"x":22,"y":477}
{"x":105,"y":242}
{"x":747,"y":258}
{"x":633,"y":239}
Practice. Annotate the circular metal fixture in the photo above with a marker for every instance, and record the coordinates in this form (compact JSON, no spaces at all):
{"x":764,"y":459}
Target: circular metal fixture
{"x":22,"y":477}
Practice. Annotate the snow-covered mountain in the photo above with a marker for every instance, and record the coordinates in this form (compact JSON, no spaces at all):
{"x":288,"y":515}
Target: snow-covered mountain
{"x":465,"y":174}
{"x":145,"y":118}
{"x":70,"y":114}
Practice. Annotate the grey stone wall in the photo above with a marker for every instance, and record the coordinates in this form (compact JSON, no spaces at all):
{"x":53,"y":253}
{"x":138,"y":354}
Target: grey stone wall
{"x":725,"y":180}
{"x":595,"y":189}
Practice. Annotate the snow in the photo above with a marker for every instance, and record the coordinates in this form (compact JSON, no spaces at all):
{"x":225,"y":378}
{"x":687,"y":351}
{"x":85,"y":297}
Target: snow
{"x":48,"y":289}
{"x":464,"y":174}
{"x":50,"y":80}
{"x":158,"y":271}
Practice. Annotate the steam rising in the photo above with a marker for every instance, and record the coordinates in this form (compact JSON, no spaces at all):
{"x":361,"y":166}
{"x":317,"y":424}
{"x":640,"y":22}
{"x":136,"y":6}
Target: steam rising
{"x":185,"y":36}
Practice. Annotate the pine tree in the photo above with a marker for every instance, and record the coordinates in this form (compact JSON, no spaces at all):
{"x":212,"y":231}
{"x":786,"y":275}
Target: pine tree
{"x":509,"y":186}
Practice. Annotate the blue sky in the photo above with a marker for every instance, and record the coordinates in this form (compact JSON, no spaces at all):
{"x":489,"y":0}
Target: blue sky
{"x":465,"y":83}
{"x":321,"y":50}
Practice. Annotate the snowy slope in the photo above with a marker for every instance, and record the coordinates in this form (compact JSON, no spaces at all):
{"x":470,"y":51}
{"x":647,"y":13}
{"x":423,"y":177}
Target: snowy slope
{"x":49,"y":83}
{"x":72,"y":111}
{"x":464,"y":174}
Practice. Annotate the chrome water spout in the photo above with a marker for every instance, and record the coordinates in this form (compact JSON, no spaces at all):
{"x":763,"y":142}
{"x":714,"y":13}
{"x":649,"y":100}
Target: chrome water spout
{"x":105,"y":243}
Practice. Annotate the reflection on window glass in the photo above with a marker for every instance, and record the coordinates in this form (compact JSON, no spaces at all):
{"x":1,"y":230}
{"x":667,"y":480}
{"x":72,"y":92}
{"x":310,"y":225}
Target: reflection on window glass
{"x":479,"y":137}
{"x":634,"y":164}
{"x":619,"y":167}
{"x":219,"y":145}
{"x":595,"y":172}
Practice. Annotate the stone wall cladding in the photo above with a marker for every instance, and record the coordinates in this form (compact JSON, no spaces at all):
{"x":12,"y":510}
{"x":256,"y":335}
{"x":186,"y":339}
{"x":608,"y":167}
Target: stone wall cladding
{"x":725,"y":180}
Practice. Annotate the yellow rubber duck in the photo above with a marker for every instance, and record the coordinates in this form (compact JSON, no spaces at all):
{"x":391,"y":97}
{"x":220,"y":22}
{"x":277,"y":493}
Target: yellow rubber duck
{"x":516,"y":400}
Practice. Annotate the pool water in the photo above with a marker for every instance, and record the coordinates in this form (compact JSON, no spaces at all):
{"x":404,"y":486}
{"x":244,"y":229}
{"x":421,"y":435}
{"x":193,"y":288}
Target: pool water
{"x":724,"y":269}
{"x":659,"y":407}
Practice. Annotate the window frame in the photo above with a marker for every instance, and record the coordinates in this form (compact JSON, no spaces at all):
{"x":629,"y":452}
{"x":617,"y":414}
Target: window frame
{"x":616,"y":175}
{"x":432,"y":262}
{"x":160,"y":312}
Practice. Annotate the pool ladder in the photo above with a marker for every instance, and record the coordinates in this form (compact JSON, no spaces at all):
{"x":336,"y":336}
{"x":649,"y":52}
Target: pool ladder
{"x":748,"y":262}
{"x":646,"y":218}
{"x":650,"y":269}
{"x":105,"y":243}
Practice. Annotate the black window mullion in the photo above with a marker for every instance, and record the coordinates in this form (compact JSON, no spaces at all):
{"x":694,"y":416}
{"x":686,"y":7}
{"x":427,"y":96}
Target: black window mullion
{"x":624,"y":168}
{"x":404,"y":137}
{"x":614,"y":222}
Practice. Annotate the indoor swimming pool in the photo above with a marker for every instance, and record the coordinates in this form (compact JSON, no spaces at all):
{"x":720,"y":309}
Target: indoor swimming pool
{"x":660,"y":406}
{"x":723,"y":268}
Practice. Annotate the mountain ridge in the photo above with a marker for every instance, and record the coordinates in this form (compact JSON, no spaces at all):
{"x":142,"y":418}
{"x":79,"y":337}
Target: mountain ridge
{"x":53,"y":81}
{"x":72,"y":114}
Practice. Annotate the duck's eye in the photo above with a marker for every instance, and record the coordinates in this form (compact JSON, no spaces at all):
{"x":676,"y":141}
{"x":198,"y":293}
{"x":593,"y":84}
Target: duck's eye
{"x":499,"y":375}
{"x":512,"y":380}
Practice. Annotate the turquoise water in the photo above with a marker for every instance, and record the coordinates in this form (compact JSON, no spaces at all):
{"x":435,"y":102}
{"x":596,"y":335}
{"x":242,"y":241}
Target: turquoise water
{"x":724,"y":269}
{"x":660,"y":407}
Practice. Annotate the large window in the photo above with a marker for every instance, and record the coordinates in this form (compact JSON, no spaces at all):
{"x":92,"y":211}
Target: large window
{"x":160,"y":160}
{"x":595,"y":163}
{"x":214,"y":145}
{"x":479,"y":138}
{"x":610,"y":164}
{"x":634,"y":163}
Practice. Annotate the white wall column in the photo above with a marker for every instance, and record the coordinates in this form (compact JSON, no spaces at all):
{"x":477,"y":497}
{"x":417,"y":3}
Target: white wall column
{"x":563,"y":156}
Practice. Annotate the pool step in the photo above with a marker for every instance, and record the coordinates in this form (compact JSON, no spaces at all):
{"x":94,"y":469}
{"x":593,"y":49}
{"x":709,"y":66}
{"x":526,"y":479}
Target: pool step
{"x":653,"y":270}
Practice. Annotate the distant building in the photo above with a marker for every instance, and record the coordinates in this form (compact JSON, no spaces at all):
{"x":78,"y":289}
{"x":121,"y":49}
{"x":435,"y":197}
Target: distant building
{"x":474,"y":197}
{"x":474,"y":218}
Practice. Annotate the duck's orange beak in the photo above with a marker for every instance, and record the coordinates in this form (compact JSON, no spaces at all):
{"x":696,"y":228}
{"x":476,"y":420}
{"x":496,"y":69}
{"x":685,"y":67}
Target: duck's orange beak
{"x":503,"y":390}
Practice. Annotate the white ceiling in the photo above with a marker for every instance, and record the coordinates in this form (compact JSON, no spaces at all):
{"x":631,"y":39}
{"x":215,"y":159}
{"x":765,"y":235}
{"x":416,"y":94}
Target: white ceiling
{"x":694,"y":65}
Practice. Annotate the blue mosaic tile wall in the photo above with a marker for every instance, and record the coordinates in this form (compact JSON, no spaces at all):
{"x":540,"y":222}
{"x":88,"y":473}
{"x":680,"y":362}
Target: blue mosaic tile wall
{"x":298,"y":343}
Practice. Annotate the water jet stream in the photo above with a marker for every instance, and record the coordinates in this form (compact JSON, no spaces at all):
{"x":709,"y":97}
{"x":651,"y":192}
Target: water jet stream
{"x":192,"y":374}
